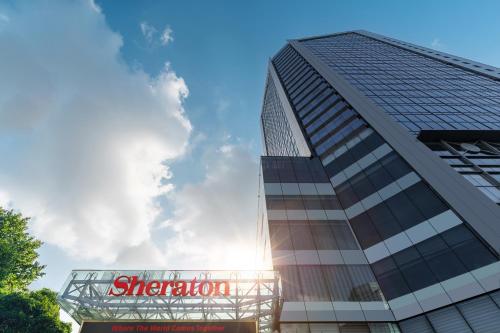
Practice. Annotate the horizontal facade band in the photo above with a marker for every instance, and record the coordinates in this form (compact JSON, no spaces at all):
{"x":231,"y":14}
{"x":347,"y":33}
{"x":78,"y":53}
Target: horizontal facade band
{"x":305,"y":214}
{"x":412,"y":236}
{"x":298,"y":189}
{"x":347,"y":146}
{"x":318,"y":257}
{"x":456,"y":289}
{"x":336,"y":312}
{"x":361,"y":164}
{"x":382,"y":194}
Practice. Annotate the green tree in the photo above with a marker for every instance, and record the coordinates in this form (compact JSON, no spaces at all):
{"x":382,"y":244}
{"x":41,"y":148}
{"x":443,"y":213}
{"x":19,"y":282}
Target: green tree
{"x":35,"y":311}
{"x":23,"y":311}
{"x":18,"y":265}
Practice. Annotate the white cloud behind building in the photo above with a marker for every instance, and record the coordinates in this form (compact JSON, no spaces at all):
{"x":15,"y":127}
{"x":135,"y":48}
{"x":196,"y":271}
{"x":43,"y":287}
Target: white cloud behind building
{"x":86,"y":143}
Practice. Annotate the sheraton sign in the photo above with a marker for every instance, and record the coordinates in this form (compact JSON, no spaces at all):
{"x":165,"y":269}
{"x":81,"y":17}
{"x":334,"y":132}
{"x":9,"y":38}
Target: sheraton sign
{"x":133,"y":286}
{"x":173,"y":301}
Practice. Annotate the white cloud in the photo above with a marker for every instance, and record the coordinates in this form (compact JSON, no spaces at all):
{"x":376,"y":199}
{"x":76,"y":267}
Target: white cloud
{"x":215,"y":220}
{"x":148,"y":31}
{"x":86,"y":142}
{"x":94,"y":6}
{"x":83,"y":137}
{"x":167,"y":36}
{"x":437,"y":44}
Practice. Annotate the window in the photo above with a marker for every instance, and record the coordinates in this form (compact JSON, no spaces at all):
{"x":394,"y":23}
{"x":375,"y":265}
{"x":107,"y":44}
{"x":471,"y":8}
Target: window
{"x":341,"y":162}
{"x":365,"y":232}
{"x":312,"y":202}
{"x":384,"y":221}
{"x":307,"y":90}
{"x":390,"y":278}
{"x":325,"y":117}
{"x":346,"y":194}
{"x":330,"y":202}
{"x":467,"y":247}
{"x":327,"y":103}
{"x":301,"y":170}
{"x":290,"y":283}
{"x":313,"y":284}
{"x":275,"y":202}
{"x":404,"y":210}
{"x":323,"y":235}
{"x":332,"y":126}
{"x":378,"y":175}
{"x":395,"y":165}
{"x":343,"y":235}
{"x":426,"y":201}
{"x":364,"y":283}
{"x":373,"y":141}
{"x":361,"y":185}
{"x":280,"y":236}
{"x":317,"y":171}
{"x":301,"y":235}
{"x":351,"y":283}
{"x":293,"y":202}
{"x":414,"y":269}
{"x":442,"y":261}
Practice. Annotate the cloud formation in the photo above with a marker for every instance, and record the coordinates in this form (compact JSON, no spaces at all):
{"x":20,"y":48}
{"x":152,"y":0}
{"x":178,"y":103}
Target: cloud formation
{"x":151,"y":34}
{"x":215,"y":220}
{"x":85,"y":140}
{"x":167,"y":36}
{"x":148,"y":31}
{"x":86,"y":143}
{"x":437,"y":44}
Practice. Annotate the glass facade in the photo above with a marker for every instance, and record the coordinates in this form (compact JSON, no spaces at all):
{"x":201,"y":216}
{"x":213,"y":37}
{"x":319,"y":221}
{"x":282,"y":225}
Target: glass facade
{"x":419,"y":92}
{"x":278,"y":137}
{"x":356,"y":233}
{"x":301,"y":208}
{"x":315,"y":251}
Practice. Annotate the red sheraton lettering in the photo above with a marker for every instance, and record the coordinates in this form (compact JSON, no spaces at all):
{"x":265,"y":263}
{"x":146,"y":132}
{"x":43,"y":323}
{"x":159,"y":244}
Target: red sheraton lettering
{"x":133,"y":286}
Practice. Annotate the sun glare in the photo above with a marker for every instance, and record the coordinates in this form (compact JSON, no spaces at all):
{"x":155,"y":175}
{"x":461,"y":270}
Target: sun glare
{"x":239,"y":257}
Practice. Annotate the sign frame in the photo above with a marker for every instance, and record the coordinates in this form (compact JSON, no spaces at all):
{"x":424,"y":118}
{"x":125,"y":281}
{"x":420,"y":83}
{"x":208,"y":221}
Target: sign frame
{"x":194,"y":321}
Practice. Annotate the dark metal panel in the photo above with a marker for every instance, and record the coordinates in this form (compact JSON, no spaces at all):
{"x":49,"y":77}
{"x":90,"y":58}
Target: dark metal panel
{"x":459,"y":135}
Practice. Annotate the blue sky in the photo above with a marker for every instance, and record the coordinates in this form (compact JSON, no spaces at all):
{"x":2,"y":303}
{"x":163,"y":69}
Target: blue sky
{"x":204,"y":145}
{"x":221,"y":48}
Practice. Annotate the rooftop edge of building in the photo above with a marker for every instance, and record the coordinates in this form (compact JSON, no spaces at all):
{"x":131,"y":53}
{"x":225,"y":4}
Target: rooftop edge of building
{"x":491,"y":72}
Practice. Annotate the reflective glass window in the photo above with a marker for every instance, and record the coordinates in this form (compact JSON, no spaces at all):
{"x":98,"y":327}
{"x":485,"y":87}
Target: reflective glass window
{"x":301,"y":235}
{"x":279,"y":233}
{"x":390,"y":278}
{"x":440,"y":258}
{"x":467,"y":247}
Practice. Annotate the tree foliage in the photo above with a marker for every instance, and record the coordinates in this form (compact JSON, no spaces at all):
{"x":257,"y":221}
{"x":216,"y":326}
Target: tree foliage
{"x":18,"y":257}
{"x":35,"y":311}
{"x":23,"y":311}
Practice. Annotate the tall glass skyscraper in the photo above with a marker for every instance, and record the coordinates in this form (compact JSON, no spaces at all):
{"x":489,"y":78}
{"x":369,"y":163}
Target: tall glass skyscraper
{"x":381,"y":180}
